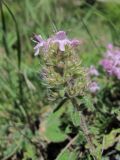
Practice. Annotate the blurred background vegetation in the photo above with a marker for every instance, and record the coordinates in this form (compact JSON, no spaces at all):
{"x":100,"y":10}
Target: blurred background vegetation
{"x":23,"y":104}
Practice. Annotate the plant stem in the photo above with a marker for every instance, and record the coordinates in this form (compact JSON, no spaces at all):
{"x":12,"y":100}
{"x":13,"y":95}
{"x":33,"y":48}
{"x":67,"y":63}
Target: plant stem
{"x":60,"y":104}
{"x":84,"y":127}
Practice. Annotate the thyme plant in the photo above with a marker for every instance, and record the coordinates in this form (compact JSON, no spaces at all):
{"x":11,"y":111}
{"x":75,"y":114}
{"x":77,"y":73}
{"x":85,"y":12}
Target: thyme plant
{"x":64,"y":74}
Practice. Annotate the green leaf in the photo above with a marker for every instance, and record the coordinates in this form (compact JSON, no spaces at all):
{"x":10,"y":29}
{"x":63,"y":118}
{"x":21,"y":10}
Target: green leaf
{"x":88,"y":101}
{"x":75,"y":118}
{"x":62,"y":92}
{"x":11,"y":150}
{"x":30,"y":152}
{"x":111,"y":138}
{"x":53,"y":132}
{"x":63,"y":156}
{"x":14,"y":147}
{"x":66,"y":155}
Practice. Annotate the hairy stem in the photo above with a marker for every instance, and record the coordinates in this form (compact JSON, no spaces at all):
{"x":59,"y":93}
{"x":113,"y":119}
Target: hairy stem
{"x":84,"y":127}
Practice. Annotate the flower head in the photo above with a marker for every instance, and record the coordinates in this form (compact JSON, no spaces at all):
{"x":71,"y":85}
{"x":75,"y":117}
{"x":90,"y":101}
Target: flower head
{"x":62,"y":70}
{"x":74,"y":42}
{"x":107,"y":65}
{"x":60,"y":38}
{"x":93,"y":87}
{"x":61,"y":35}
{"x":111,"y":61}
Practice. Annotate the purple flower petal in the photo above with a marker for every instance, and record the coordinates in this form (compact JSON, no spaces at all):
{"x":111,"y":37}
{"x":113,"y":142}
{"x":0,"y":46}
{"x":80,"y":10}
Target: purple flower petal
{"x":61,"y":39}
{"x":75,"y":42}
{"x":107,"y":64}
{"x":61,"y":35}
{"x":62,"y":46}
{"x":40,"y":43}
{"x":111,"y":62}
{"x":38,"y":38}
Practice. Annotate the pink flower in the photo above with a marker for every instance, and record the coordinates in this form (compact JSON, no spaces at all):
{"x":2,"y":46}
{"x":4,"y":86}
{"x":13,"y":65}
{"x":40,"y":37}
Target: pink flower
{"x":93,"y":87}
{"x":75,"y":42}
{"x":111,"y":62}
{"x":93,"y":71}
{"x":107,"y":65}
{"x":61,"y":39}
{"x":40,"y":44}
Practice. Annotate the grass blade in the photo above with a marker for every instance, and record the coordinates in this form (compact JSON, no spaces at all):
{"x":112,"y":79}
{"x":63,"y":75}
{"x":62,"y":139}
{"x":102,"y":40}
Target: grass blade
{"x":4,"y":30}
{"x":18,"y":36}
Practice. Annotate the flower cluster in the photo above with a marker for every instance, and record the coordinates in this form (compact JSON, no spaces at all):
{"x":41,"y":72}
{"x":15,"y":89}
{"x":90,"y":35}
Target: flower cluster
{"x":59,"y":38}
{"x":63,"y":72}
{"x":111,"y":62}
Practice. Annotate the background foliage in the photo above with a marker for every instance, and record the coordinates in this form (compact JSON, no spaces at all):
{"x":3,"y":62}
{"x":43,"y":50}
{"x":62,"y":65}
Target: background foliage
{"x":29,"y":129}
